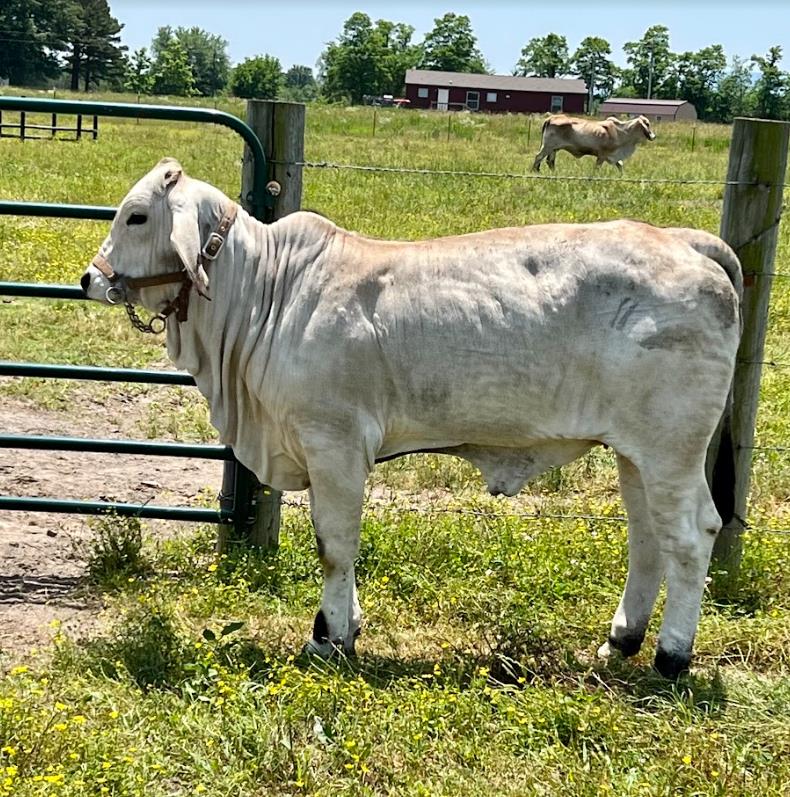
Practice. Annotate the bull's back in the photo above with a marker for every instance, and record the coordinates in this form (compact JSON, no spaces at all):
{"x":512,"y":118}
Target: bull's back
{"x":553,"y":316}
{"x":567,"y":129}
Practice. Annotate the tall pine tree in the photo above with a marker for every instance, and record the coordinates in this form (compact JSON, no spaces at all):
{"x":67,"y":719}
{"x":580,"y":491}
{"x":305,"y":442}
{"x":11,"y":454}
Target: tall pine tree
{"x":94,"y":49}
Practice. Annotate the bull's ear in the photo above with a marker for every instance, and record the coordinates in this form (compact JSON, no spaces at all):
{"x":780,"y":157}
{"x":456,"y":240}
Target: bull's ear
{"x":172,"y":172}
{"x":172,"y":176}
{"x":185,"y":238}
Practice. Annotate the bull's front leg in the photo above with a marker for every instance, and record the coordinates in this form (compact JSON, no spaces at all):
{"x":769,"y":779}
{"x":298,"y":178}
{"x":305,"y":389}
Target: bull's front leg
{"x":337,"y":485}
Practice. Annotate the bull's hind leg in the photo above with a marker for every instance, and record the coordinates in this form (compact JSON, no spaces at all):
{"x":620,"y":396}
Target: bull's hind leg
{"x":686,"y":524}
{"x":645,"y":568}
{"x":336,"y":496}
{"x":540,"y":157}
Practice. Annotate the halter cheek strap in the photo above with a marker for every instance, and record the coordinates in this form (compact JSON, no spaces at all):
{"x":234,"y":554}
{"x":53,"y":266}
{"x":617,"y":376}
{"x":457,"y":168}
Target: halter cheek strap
{"x":179,"y":305}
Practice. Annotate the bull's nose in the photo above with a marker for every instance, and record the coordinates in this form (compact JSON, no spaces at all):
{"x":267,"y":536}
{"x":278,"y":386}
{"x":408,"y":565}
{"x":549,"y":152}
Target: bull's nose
{"x":85,"y":282}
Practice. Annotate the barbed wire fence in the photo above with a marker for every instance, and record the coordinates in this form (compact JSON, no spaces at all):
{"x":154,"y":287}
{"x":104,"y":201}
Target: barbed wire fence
{"x":506,"y":514}
{"x":425,"y":171}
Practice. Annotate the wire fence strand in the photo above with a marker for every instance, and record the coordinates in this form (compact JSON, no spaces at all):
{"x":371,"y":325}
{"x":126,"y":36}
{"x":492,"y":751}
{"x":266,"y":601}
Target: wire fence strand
{"x":515,"y":175}
{"x":510,"y":515}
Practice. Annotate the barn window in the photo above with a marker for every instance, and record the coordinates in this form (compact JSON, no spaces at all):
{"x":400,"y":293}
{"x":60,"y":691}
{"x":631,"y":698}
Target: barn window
{"x":556,"y":103}
{"x":473,"y":100}
{"x":422,"y":93}
{"x":491,"y":96}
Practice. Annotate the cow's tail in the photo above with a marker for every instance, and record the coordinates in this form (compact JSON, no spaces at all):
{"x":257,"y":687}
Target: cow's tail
{"x":722,"y":482}
{"x":723,"y":472}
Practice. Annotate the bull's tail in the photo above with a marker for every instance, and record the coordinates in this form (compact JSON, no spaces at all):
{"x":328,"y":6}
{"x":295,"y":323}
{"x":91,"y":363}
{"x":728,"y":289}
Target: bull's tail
{"x":723,"y":472}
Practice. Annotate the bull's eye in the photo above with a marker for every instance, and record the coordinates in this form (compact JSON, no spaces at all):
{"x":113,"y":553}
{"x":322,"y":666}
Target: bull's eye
{"x":137,"y":218}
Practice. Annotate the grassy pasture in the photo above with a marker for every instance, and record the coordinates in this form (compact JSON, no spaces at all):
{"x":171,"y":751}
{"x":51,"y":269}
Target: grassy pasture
{"x":477,"y":672}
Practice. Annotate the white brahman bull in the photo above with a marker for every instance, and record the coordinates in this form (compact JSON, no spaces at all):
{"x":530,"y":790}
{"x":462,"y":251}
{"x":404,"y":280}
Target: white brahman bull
{"x":611,"y":140}
{"x":322,"y":351}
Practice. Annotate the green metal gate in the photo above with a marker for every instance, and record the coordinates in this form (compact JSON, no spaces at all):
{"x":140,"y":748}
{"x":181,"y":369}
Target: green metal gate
{"x":239,"y":484}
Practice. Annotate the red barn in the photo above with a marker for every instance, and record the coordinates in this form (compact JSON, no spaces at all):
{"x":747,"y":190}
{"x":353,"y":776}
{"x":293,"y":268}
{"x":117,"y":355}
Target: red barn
{"x":450,"y":91}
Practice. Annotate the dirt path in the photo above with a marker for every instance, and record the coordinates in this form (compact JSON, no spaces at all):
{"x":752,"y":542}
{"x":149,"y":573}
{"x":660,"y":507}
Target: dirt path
{"x":39,"y":566}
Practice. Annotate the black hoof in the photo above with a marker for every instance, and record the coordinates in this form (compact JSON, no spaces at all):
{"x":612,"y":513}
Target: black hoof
{"x":671,"y":665}
{"x":628,"y":645}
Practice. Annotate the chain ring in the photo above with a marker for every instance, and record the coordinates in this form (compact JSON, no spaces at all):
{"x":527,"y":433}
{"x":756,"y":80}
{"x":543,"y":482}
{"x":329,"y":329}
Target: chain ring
{"x":147,"y":327}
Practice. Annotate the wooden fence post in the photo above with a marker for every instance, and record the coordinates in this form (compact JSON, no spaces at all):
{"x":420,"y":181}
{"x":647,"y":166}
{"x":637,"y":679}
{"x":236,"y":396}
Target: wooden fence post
{"x":280,"y":127}
{"x":750,"y":225}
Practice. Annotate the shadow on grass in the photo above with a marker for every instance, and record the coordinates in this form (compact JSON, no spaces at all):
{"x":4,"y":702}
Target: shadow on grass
{"x":152,"y":649}
{"x":642,"y":685}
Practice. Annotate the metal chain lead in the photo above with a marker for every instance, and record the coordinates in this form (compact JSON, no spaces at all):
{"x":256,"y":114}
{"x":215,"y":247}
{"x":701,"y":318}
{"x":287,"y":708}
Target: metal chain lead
{"x":142,"y":326}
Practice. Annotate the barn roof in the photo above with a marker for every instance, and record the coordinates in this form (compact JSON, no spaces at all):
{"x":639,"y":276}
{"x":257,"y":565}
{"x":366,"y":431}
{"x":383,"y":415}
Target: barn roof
{"x":467,"y":80}
{"x":620,"y":104}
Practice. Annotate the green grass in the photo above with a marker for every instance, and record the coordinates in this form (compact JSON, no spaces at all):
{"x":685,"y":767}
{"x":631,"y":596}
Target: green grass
{"x":477,"y":677}
{"x":477,"y":672}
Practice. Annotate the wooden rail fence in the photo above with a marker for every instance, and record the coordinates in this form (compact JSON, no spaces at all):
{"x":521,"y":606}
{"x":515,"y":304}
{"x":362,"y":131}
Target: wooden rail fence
{"x":22,"y":127}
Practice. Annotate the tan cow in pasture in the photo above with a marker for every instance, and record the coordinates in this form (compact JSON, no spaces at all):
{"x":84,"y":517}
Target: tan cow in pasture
{"x":611,"y":141}
{"x":322,"y":352}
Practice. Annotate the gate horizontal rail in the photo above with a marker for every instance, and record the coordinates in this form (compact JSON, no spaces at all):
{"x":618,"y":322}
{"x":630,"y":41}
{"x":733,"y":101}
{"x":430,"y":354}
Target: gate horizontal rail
{"x":109,"y":446}
{"x":96,"y":373}
{"x":42,"y":290}
{"x":146,"y":511}
{"x":55,"y":211}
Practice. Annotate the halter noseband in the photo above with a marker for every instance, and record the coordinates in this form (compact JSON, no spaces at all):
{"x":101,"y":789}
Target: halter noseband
{"x":116,"y":293}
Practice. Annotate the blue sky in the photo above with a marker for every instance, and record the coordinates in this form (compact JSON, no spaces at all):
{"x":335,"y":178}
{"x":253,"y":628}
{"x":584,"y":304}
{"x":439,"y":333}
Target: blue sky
{"x":296,"y":31}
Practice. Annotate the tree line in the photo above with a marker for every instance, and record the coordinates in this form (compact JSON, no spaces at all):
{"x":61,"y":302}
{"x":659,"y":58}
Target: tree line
{"x":77,"y":42}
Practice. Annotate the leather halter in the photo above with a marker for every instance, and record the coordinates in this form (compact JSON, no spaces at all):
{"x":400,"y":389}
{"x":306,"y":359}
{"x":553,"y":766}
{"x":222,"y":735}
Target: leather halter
{"x":179,"y":305}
